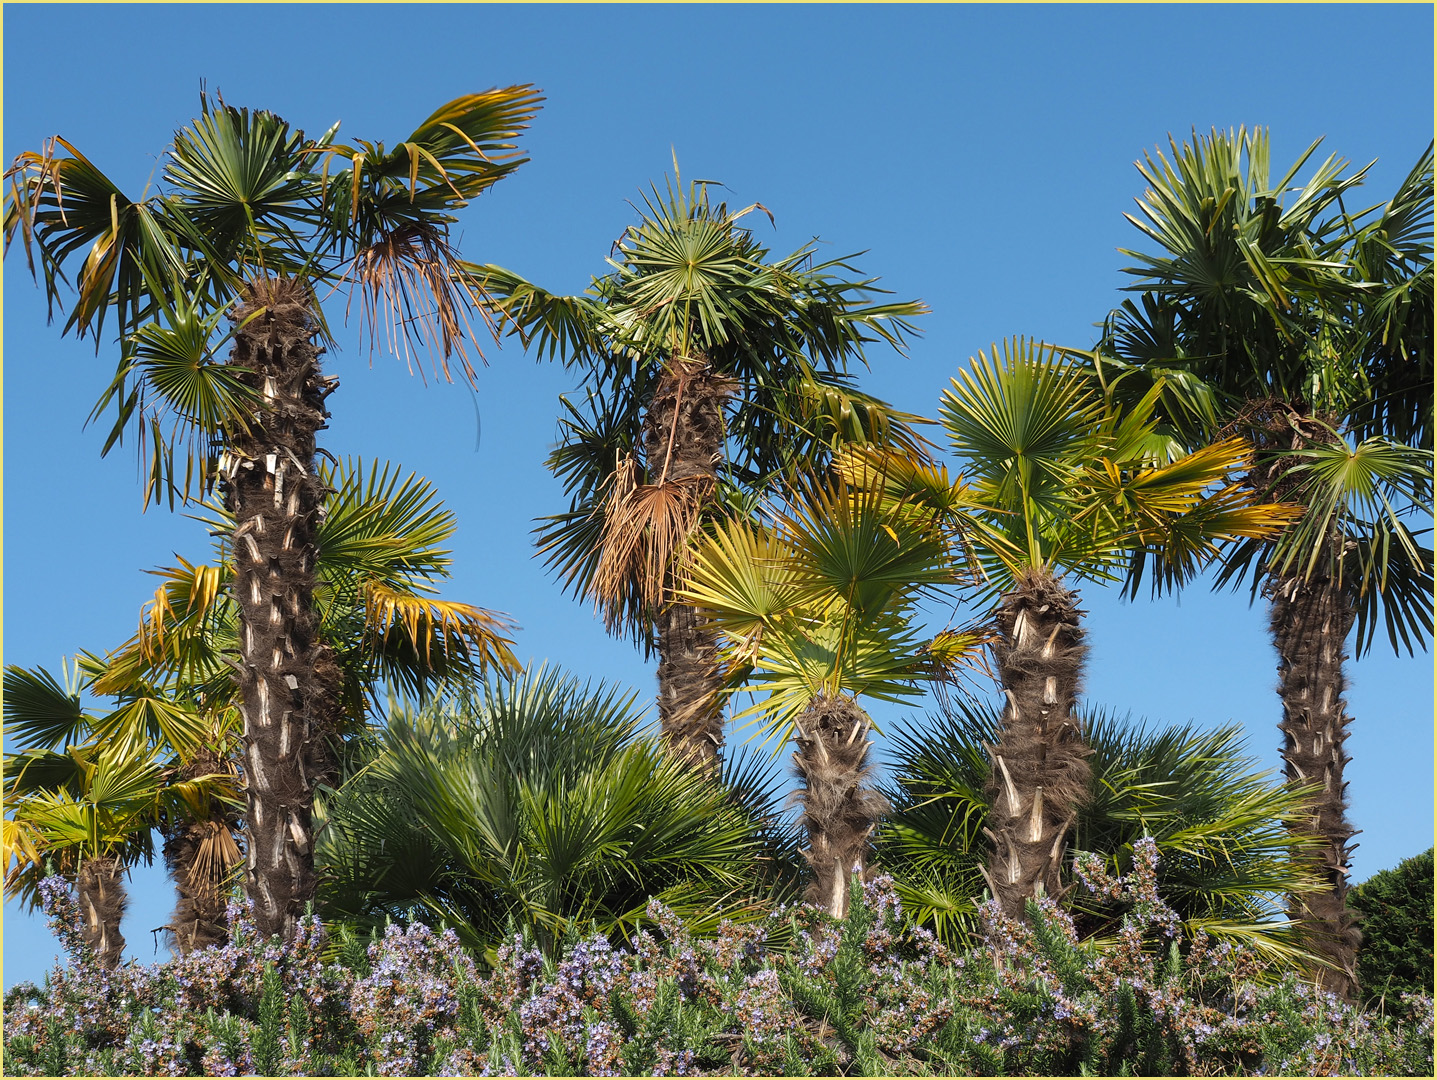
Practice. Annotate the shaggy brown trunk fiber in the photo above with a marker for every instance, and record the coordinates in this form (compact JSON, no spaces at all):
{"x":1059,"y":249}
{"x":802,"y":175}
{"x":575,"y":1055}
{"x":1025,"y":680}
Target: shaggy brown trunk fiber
{"x":840,"y":809}
{"x":192,"y":857}
{"x":1039,"y":769}
{"x":1310,"y":621}
{"x":103,"y":900}
{"x":683,"y":442}
{"x":289,"y":683}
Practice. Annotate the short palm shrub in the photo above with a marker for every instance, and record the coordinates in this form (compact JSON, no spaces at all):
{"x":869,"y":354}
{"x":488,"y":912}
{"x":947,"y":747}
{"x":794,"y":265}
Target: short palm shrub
{"x":1221,"y":825}
{"x":1395,"y":906}
{"x":871,"y":995}
{"x":540,"y":800}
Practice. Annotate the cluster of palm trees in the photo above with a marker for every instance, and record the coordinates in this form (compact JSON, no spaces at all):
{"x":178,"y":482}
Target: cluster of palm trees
{"x":737,"y":506}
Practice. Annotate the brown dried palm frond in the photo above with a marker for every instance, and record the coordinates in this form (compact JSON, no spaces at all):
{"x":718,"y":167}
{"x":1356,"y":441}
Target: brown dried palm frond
{"x":217,"y":854}
{"x":411,"y":285}
{"x":646,"y":532}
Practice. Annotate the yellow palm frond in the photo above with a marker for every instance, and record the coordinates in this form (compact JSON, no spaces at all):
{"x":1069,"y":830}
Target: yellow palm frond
{"x":21,"y":841}
{"x":740,"y":575}
{"x":424,"y":618}
{"x":189,"y":593}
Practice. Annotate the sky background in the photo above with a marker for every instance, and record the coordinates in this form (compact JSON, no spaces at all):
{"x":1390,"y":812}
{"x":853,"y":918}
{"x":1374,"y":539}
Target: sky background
{"x":980,"y":156}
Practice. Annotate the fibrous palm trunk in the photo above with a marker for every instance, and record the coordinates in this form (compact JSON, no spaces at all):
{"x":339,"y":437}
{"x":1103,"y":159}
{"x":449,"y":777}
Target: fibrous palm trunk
{"x":1039,"y":768}
{"x":100,"y":885}
{"x":683,"y":445}
{"x":289,"y":683}
{"x":1310,"y":616}
{"x":840,"y":807}
{"x":193,"y":856}
{"x":1310,"y":620}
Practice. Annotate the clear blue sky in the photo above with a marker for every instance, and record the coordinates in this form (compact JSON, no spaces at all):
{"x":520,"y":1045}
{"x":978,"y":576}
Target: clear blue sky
{"x":982,"y":156}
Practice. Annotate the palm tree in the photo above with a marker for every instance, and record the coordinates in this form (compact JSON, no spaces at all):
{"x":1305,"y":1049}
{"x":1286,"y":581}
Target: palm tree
{"x":88,"y":813}
{"x":1060,"y":482}
{"x":176,"y":726}
{"x":535,"y":800}
{"x":381,"y":555}
{"x":1275,"y":312}
{"x":1221,"y":826}
{"x":714,"y":368}
{"x":814,"y":613}
{"x":257,"y":219}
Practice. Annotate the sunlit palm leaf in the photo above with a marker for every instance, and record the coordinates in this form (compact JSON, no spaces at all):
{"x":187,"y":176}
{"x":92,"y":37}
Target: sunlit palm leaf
{"x":425,"y":620}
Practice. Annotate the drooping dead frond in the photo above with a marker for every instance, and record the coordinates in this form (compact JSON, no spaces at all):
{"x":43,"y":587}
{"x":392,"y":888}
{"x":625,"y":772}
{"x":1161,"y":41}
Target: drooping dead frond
{"x":412,"y":287}
{"x":216,"y":854}
{"x":646,"y":533}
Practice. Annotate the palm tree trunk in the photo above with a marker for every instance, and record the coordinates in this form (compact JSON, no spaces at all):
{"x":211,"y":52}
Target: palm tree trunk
{"x":840,"y":809}
{"x":1310,"y":621}
{"x":683,"y":443}
{"x":289,"y":683}
{"x":100,"y":885}
{"x":192,"y":857}
{"x":1039,"y":768}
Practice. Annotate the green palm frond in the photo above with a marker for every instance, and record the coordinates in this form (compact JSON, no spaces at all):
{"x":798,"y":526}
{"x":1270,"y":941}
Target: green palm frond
{"x":62,"y":205}
{"x":240,"y":186}
{"x":39,"y":712}
{"x":1365,"y":494}
{"x":564,"y":328}
{"x":460,"y":151}
{"x":822,"y":603}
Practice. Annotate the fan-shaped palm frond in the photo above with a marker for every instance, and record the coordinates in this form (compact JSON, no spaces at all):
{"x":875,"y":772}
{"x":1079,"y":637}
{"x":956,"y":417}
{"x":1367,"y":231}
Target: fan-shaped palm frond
{"x":820,"y":603}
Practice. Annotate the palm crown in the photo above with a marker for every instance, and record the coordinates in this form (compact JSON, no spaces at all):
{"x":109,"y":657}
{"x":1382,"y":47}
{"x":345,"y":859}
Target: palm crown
{"x":689,"y":282}
{"x":246,"y":195}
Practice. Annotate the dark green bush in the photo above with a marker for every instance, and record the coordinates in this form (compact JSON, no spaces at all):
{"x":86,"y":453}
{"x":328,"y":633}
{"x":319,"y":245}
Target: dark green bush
{"x":1396,"y":908}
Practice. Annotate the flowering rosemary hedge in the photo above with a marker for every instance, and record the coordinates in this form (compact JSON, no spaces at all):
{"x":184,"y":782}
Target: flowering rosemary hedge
{"x":799,"y":995}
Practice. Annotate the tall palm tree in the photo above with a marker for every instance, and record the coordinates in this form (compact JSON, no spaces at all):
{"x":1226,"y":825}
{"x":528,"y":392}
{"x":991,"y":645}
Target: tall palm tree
{"x":538,"y":800}
{"x":1059,"y":481}
{"x":1221,"y":825}
{"x":256,"y":219}
{"x":1275,"y":312}
{"x":814,"y":613}
{"x":714,"y":367}
{"x":381,"y":555}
